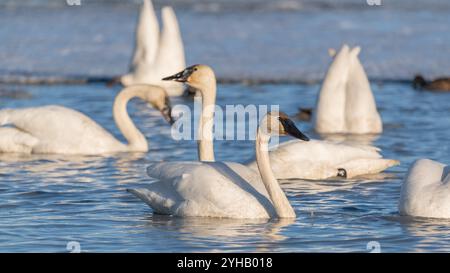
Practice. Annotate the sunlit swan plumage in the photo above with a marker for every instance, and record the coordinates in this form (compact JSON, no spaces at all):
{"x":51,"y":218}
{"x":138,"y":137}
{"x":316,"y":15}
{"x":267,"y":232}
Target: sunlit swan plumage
{"x":13,"y":140}
{"x":203,"y":79}
{"x":156,"y":55}
{"x":323,"y":159}
{"x":345,"y":103}
{"x":318,"y":159}
{"x":59,"y":130}
{"x":223,"y":189}
{"x":426,"y":190}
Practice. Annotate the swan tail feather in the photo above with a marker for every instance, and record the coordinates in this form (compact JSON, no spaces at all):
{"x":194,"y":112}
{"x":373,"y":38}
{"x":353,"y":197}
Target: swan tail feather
{"x":158,"y":170}
{"x":170,"y":170}
{"x":157,"y":201}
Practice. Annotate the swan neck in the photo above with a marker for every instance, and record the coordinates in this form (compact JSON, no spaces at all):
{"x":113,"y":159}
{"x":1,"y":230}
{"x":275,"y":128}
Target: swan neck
{"x":136,"y":140}
{"x":205,"y":130}
{"x":279,"y":200}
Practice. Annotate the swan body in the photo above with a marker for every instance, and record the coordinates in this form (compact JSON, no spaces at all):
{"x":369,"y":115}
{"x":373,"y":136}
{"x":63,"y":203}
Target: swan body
{"x":53,"y":128}
{"x":13,"y":140}
{"x":318,"y":159}
{"x":155,"y":54}
{"x":295,"y":159}
{"x":222,"y":189}
{"x":345,"y":103}
{"x":426,"y":190}
{"x":206,"y":189}
{"x":60,"y":130}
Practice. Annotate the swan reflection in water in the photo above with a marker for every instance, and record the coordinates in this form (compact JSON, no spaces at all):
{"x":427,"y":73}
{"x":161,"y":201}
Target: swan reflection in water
{"x":54,"y":168}
{"x":228,"y":231}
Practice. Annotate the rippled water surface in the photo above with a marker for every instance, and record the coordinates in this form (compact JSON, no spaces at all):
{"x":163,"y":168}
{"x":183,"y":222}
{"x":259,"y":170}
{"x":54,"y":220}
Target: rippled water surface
{"x":47,"y":201}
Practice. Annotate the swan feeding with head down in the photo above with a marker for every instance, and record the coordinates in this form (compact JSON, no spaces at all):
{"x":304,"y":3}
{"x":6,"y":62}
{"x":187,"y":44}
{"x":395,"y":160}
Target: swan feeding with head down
{"x":345,"y":103}
{"x":156,"y":55}
{"x":56,"y":129}
{"x":320,"y":159}
{"x":426,"y":190}
{"x":223,"y":189}
{"x":294,"y":159}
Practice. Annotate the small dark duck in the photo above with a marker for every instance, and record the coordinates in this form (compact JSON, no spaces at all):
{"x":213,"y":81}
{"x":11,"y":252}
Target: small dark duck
{"x":304,"y":114}
{"x":438,"y":85}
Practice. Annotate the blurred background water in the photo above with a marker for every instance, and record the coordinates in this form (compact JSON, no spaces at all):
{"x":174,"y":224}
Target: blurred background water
{"x":255,"y":39}
{"x":47,"y":201}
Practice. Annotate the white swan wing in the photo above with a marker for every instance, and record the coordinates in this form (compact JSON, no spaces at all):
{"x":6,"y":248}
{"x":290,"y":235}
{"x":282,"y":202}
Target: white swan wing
{"x":170,"y":170}
{"x":208,"y":189}
{"x":55,"y":127}
{"x":361,"y":115}
{"x":13,"y":140}
{"x":329,"y":116}
{"x":317,"y":159}
{"x":426,"y":190}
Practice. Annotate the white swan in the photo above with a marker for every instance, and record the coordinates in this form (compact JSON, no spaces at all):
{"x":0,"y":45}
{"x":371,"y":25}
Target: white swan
{"x":295,"y":159}
{"x":202,"y":78}
{"x":345,"y":103}
{"x":319,"y":159}
{"x":156,"y":55}
{"x":426,"y":190}
{"x":223,"y":189}
{"x":59,"y":130}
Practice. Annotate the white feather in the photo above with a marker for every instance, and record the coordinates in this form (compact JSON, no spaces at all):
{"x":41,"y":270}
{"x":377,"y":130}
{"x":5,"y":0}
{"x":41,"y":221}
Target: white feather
{"x":318,"y":159}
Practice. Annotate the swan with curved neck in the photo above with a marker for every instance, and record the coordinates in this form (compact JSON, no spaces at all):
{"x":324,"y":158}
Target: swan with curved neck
{"x":223,"y":189}
{"x":294,"y":159}
{"x":59,"y":130}
{"x":203,"y":79}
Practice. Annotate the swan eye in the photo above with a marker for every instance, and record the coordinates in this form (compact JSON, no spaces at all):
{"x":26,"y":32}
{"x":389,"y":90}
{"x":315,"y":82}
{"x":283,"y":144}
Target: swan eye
{"x":195,"y":69}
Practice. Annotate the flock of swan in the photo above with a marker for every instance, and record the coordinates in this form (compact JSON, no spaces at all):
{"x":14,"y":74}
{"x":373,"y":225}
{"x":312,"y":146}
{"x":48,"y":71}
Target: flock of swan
{"x":207,"y":188}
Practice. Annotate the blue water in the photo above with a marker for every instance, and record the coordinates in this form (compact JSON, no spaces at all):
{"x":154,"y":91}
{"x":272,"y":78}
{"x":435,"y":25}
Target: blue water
{"x":257,"y":39}
{"x":48,"y":201}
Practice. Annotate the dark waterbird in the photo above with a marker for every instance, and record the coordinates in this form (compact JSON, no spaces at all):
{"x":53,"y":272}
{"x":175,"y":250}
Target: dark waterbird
{"x":437,"y":85}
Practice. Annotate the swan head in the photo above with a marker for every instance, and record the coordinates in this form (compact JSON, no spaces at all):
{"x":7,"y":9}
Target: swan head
{"x":278,"y":123}
{"x":166,"y":110}
{"x":198,"y":76}
{"x":158,"y":99}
